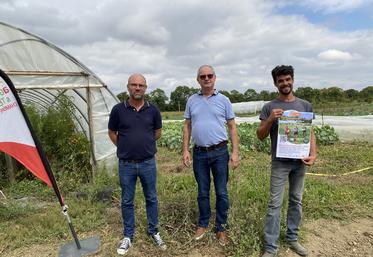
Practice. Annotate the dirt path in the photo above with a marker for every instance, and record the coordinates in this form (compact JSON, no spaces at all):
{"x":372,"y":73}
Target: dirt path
{"x":326,"y":238}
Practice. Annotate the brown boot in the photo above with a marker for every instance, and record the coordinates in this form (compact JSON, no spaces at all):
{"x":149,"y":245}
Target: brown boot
{"x":200,"y":233}
{"x":222,"y":238}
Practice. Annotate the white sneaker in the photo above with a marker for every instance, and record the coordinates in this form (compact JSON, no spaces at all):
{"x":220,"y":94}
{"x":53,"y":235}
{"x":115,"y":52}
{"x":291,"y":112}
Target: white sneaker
{"x":159,"y":242}
{"x":124,"y":246}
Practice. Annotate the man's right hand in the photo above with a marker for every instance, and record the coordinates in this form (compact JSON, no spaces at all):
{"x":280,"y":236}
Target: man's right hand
{"x":186,"y":158}
{"x":275,"y":114}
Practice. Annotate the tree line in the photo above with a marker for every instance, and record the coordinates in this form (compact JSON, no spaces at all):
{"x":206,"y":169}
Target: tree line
{"x":179,"y":96}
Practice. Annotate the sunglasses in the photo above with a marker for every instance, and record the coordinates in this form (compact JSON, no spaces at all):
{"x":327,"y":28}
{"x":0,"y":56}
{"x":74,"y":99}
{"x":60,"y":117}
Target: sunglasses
{"x":203,"y":77}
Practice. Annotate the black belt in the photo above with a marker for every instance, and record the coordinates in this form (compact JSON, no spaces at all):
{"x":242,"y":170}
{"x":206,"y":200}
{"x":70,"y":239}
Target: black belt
{"x":137,"y":161}
{"x":211,"y":147}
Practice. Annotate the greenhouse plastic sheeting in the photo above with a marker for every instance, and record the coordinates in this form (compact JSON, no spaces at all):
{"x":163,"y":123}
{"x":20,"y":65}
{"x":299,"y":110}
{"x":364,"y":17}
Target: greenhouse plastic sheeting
{"x":248,"y":107}
{"x":42,"y":72}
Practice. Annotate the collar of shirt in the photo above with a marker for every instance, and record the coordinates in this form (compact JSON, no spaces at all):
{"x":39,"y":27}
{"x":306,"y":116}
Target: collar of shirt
{"x":214,"y":93}
{"x":128,"y":105}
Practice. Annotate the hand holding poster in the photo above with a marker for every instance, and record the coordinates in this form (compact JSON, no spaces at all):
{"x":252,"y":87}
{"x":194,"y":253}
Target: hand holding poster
{"x":294,"y":134}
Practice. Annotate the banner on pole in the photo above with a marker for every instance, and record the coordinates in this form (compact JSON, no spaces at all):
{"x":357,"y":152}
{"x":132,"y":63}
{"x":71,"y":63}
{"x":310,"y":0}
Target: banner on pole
{"x":16,"y":134}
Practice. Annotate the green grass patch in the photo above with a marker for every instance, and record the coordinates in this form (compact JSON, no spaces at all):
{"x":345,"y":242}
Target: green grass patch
{"x":172,"y":115}
{"x":344,"y":198}
{"x":344,"y":108}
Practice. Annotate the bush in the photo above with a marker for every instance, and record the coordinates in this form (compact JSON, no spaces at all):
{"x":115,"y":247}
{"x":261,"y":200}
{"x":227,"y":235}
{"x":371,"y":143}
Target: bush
{"x":172,"y":137}
{"x":67,"y":149}
{"x":325,"y":135}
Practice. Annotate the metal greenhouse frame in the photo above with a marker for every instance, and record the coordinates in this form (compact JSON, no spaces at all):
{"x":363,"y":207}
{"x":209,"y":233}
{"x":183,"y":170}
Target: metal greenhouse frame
{"x":43,"y":72}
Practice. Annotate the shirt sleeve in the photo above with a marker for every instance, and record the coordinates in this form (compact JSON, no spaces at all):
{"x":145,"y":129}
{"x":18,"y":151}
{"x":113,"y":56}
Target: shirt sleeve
{"x":310,"y":109}
{"x":187,"y":114}
{"x":157,"y":119}
{"x":113,"y":119}
{"x":264,"y":114}
{"x":229,"y":113}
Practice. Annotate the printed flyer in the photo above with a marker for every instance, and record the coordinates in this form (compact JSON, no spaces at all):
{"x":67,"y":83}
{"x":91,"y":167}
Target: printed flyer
{"x":294,"y":134}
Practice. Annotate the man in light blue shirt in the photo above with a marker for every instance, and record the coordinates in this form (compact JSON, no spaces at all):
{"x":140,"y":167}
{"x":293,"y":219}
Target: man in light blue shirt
{"x":206,"y":114}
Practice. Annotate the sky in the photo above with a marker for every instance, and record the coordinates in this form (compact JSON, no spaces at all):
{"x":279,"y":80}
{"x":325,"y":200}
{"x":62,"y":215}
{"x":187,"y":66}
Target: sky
{"x":329,"y":43}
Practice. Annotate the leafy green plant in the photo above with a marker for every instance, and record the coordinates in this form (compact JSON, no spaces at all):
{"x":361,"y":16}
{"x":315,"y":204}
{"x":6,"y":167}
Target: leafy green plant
{"x":325,"y":135}
{"x":66,"y":148}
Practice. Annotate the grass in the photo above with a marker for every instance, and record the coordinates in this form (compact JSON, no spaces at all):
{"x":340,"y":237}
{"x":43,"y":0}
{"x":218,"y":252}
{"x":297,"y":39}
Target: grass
{"x":41,"y":222}
{"x":172,"y":115}
{"x":344,"y":108}
{"x":330,"y":108}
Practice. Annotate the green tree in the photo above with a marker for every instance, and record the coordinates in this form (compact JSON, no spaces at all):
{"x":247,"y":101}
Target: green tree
{"x":366,"y":94}
{"x":351,"y":94}
{"x":123,"y":96}
{"x":332,"y":94}
{"x":158,"y":97}
{"x":180,"y":96}
{"x":307,"y":93}
{"x":236,"y":96}
{"x":226,"y":93}
{"x":265,"y":95}
{"x":251,"y":95}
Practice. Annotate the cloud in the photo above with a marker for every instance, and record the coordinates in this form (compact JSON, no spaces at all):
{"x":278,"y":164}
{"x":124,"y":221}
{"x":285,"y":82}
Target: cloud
{"x":169,"y":40}
{"x":335,"y":55}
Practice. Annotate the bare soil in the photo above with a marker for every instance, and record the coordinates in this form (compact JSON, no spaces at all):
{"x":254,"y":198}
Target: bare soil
{"x":330,"y":238}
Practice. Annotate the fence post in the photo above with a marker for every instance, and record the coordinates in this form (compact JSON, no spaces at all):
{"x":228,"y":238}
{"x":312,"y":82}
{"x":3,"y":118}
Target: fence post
{"x":11,"y":165}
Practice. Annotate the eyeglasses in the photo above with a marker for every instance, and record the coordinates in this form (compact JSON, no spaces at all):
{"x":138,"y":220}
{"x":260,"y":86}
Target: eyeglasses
{"x":137,"y":85}
{"x":203,"y":77}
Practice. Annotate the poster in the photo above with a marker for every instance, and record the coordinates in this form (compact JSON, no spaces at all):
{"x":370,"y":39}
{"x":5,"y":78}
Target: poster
{"x":294,"y":134}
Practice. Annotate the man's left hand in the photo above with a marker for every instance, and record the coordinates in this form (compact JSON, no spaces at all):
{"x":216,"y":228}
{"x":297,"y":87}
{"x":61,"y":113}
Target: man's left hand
{"x":234,"y":161}
{"x":310,"y":160}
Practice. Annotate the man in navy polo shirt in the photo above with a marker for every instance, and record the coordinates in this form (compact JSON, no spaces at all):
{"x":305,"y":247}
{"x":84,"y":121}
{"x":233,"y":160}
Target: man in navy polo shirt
{"x":206,"y":115}
{"x":134,"y":126}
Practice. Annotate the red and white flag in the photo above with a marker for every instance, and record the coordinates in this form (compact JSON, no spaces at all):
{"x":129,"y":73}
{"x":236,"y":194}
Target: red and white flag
{"x":16,"y":139}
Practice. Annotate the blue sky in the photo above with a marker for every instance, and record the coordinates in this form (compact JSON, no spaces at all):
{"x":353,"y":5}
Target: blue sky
{"x":328,"y":42}
{"x":359,"y":18}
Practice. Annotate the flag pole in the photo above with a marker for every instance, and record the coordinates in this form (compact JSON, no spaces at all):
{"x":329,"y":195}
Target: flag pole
{"x":43,"y":157}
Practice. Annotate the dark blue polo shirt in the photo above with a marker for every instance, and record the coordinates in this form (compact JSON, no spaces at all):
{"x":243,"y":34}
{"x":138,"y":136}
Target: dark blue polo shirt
{"x":136,"y":130}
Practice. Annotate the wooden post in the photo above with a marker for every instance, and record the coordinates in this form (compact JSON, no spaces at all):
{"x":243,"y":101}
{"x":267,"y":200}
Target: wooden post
{"x":90,"y":128}
{"x":11,"y":165}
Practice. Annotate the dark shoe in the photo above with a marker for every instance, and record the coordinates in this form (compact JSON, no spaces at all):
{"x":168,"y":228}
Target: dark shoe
{"x":159,"y":242}
{"x":298,"y":248}
{"x":200,"y":233}
{"x":124,"y":246}
{"x":222,"y":238}
{"x":268,"y":254}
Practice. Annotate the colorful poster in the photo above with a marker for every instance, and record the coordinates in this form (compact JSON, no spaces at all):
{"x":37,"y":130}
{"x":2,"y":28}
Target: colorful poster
{"x":294,"y":134}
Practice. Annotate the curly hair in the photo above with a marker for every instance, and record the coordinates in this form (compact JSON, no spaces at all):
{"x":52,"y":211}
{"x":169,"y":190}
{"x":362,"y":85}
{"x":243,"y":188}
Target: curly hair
{"x":282,"y":70}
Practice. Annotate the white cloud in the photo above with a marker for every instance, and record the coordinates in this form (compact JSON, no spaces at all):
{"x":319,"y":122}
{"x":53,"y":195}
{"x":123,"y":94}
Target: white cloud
{"x":169,"y":40}
{"x":335,"y":55}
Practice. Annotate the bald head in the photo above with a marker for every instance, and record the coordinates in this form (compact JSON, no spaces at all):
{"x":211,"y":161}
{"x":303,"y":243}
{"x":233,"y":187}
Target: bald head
{"x":136,"y":86}
{"x":136,"y":76}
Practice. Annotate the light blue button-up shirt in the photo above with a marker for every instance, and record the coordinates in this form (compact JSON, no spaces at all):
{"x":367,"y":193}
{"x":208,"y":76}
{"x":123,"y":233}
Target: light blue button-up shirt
{"x":208,"y":116}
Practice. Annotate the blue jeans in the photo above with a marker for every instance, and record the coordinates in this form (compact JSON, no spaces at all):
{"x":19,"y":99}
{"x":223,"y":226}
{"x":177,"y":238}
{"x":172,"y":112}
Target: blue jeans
{"x":216,"y":161}
{"x":128,"y":173}
{"x":281,"y":171}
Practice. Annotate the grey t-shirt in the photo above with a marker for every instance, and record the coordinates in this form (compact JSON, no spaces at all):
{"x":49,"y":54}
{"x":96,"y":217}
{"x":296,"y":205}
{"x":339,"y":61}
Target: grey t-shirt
{"x":298,"y":104}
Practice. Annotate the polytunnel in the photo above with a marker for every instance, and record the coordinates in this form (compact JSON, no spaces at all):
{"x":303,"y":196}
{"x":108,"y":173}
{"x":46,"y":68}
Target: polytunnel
{"x":248,"y":107}
{"x":43,"y":72}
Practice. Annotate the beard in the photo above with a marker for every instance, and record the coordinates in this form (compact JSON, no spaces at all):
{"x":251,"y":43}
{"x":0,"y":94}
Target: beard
{"x":137,"y":96}
{"x":286,"y":90}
